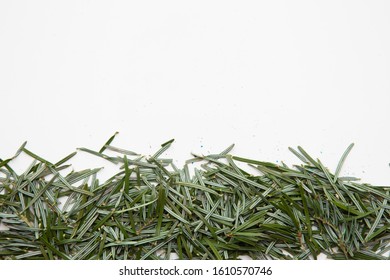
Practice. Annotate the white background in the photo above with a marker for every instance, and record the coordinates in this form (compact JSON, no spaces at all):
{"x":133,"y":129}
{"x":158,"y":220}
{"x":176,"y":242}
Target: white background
{"x":264,"y":75}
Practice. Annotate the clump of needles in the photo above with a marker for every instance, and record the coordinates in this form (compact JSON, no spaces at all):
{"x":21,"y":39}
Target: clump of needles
{"x":152,"y":209}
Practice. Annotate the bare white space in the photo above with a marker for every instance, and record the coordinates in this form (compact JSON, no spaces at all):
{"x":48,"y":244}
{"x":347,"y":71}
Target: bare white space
{"x":264,"y":75}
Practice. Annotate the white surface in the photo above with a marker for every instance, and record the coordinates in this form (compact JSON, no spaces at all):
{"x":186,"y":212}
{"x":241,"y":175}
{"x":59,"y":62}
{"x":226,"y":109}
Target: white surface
{"x":264,"y":75}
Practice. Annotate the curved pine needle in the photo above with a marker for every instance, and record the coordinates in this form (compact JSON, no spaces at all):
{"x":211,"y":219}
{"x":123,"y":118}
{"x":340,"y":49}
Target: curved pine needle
{"x":341,"y":162}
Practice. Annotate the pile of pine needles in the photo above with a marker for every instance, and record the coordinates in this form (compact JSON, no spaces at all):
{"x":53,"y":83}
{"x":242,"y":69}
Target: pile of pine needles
{"x":151,"y":209}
